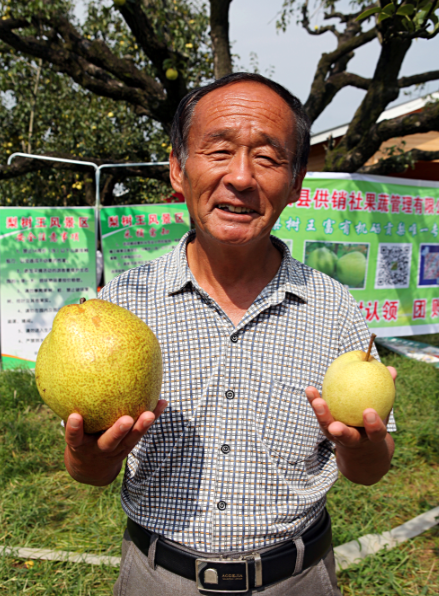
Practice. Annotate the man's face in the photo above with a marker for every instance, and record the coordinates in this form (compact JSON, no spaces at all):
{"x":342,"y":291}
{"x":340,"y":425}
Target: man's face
{"x":238,"y":175}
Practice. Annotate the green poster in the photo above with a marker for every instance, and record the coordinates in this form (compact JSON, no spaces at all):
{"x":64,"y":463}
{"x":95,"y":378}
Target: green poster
{"x":133,"y":234}
{"x":47,"y":260}
{"x":379,"y":236}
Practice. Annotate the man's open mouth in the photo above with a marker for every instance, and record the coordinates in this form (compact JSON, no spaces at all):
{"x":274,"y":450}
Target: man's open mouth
{"x":233,"y":209}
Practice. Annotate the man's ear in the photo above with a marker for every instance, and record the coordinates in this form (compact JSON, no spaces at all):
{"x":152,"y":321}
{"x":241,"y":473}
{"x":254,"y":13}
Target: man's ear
{"x":297,"y":186}
{"x":175,"y":173}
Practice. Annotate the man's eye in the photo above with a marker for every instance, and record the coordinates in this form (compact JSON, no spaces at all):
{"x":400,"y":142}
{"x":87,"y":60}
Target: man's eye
{"x":266,"y":158}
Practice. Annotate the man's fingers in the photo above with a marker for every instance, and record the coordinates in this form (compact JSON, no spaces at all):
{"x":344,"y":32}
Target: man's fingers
{"x":311,"y":394}
{"x":147,"y":419}
{"x":349,"y":436}
{"x":74,"y":430}
{"x":160,"y":408}
{"x":333,"y":429}
{"x":320,"y":408}
{"x":124,"y":429}
{"x":393,"y":372}
{"x":143,"y":424}
{"x":375,"y":428}
{"x":112,"y":437}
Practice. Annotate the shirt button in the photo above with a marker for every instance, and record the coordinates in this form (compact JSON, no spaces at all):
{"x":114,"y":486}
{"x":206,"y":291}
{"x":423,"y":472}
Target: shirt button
{"x":229,"y":394}
{"x":225,"y":449}
{"x":234,"y":338}
{"x":221,"y":505}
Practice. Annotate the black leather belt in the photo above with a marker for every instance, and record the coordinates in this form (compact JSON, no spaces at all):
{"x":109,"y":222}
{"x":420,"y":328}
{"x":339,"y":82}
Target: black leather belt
{"x":237,"y":572}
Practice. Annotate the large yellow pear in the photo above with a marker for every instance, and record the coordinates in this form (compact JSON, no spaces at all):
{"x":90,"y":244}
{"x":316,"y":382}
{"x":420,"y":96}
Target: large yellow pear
{"x":352,"y":384}
{"x":101,"y":361}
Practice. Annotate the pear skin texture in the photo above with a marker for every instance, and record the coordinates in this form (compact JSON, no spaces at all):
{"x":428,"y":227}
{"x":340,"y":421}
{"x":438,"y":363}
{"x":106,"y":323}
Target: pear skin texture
{"x":351,"y":385}
{"x":101,"y":361}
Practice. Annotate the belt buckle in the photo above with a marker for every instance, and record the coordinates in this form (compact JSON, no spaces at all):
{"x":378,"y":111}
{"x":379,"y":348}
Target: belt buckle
{"x":222,"y":575}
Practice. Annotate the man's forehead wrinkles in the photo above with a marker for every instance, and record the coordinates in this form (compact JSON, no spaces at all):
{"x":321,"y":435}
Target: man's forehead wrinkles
{"x":272,"y":107}
{"x":242,"y":109}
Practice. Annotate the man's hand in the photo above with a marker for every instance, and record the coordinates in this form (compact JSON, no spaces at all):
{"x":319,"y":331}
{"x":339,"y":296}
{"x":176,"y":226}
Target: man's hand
{"x":97,"y":459}
{"x":363,"y":454}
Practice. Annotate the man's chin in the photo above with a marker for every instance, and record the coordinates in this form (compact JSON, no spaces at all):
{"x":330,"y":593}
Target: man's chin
{"x":235,"y":237}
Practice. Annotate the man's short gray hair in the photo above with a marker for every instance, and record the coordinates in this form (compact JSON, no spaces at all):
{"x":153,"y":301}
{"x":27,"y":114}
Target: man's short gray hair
{"x":185,"y":111}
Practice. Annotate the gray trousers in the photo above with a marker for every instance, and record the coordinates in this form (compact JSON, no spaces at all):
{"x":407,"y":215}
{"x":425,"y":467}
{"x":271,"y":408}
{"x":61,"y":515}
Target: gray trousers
{"x":138,"y":577}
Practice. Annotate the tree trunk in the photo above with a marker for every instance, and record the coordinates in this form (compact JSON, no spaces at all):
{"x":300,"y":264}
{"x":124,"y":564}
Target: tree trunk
{"x":360,"y":143}
{"x":219,"y":33}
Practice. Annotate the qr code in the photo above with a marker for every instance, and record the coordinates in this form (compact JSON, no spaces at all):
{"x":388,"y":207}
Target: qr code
{"x":393,"y":266}
{"x":431,"y":266}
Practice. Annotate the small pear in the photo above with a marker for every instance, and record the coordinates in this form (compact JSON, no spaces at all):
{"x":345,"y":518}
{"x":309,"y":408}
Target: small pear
{"x":356,"y":381}
{"x":171,"y":74}
{"x":101,"y":361}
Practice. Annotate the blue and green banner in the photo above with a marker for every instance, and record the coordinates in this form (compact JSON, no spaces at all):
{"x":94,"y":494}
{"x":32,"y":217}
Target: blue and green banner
{"x":377,"y":235}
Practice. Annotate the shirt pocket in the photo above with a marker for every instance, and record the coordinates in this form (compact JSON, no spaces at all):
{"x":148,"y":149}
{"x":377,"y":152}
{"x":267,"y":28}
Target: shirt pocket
{"x":287,"y":426}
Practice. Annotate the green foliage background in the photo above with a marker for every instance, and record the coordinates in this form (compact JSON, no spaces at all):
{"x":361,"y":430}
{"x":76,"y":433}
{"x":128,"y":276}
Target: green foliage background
{"x":70,"y":121}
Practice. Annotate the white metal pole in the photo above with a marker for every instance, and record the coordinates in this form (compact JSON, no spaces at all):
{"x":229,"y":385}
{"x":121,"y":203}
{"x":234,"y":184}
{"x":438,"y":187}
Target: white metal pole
{"x":124,"y":165}
{"x":47,"y":158}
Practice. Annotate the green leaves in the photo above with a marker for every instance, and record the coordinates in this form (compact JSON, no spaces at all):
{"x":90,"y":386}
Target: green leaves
{"x":406,"y":9}
{"x":66,"y":119}
{"x":368,"y":13}
{"x":415,"y":18}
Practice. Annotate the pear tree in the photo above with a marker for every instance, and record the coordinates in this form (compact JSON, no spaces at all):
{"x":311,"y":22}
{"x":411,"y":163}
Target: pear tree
{"x":107,"y":86}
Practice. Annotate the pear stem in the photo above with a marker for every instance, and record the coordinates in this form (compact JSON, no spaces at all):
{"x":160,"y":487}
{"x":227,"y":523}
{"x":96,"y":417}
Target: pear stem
{"x":372,"y":338}
{"x":82,"y":300}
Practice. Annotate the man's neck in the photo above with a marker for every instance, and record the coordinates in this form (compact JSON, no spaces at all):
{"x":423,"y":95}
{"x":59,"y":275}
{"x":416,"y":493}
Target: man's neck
{"x":233,"y":275}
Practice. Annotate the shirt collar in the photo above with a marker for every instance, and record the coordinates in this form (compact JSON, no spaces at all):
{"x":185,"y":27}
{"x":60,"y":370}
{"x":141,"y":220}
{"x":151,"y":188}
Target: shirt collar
{"x":290,"y":277}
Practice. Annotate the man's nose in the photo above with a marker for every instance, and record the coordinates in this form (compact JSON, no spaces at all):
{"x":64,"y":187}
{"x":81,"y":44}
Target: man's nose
{"x":240,"y":172}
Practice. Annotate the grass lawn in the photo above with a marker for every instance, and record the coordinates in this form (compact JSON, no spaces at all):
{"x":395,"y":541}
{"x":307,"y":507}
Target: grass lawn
{"x":41,"y":507}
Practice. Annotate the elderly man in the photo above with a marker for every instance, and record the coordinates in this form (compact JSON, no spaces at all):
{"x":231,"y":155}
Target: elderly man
{"x":225,"y":493}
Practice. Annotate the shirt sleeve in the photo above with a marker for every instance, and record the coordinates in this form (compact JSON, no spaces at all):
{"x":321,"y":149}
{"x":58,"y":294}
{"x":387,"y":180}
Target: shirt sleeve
{"x":355,"y":335}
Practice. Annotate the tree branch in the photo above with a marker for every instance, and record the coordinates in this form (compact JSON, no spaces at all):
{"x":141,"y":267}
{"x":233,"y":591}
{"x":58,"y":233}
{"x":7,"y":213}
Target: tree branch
{"x":156,"y":49}
{"x":318,"y":30}
{"x":349,"y":158}
{"x":345,"y":18}
{"x":325,"y":84}
{"x":219,"y":33}
{"x":424,"y":77}
{"x":98,"y":53}
{"x":421,"y":122}
{"x":348,"y":79}
{"x":352,"y":43}
{"x":91,"y":65}
{"x":397,"y":164}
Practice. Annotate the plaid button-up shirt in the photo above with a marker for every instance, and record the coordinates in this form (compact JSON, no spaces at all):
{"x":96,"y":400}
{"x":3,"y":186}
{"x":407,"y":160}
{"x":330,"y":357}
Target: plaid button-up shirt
{"x":237,"y":461}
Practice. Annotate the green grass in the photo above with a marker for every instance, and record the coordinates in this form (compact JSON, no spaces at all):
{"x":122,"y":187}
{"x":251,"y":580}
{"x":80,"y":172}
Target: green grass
{"x":410,"y":488}
{"x":46,"y":578}
{"x":41,"y":506}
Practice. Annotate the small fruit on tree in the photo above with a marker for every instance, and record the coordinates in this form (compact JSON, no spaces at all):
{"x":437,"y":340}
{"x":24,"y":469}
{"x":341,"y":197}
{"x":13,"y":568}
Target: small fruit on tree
{"x":172,"y":74}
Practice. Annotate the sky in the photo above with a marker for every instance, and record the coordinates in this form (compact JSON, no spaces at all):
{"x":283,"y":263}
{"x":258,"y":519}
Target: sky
{"x":291,"y":58}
